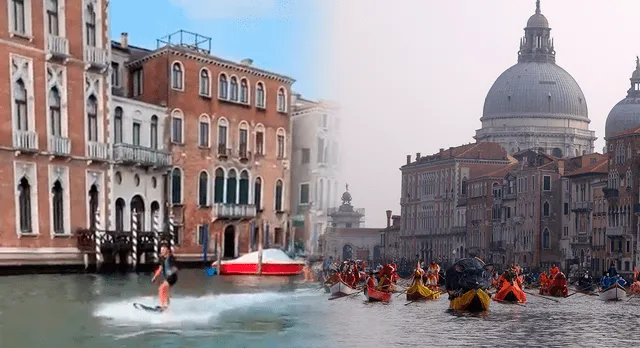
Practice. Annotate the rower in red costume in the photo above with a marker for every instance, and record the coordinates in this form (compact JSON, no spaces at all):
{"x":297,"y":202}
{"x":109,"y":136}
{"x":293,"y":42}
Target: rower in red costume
{"x":371,"y":281}
{"x":553,"y":271}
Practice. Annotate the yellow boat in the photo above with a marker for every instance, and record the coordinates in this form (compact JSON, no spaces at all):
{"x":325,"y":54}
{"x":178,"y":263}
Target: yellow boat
{"x":417,"y":291}
{"x":471,"y":301}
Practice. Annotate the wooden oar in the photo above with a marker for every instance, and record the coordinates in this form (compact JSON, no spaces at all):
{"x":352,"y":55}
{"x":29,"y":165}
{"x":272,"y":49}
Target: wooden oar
{"x":544,"y":297}
{"x":507,"y":302}
{"x":408,"y":303}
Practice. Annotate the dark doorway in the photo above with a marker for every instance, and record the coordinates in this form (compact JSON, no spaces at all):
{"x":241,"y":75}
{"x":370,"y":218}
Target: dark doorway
{"x":229,"y":242}
{"x":93,"y":207}
{"x":137,"y":206}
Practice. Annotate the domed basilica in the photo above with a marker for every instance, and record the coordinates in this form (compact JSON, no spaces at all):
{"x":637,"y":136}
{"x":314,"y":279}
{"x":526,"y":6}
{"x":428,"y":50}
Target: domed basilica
{"x":535,"y":104}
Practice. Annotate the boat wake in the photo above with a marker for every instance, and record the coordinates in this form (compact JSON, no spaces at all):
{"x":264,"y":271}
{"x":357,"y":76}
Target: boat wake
{"x":189,"y":310}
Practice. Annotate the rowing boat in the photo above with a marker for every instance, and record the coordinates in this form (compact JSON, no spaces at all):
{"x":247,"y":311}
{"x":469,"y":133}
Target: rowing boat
{"x":474,"y":300}
{"x":613,"y":293}
{"x":342,"y":289}
{"x":417,"y":292}
{"x":374,"y":295}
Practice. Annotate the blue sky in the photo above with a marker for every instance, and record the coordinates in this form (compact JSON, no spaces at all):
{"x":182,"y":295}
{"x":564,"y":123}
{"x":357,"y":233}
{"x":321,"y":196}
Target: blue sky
{"x":279,"y":35}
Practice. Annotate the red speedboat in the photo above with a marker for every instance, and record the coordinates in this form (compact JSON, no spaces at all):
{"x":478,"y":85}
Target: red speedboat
{"x":274,"y":262}
{"x":374,"y":295}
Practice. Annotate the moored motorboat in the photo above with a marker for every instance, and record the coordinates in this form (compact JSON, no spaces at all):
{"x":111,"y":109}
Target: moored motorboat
{"x":274,"y":262}
{"x":616,"y":292}
{"x":342,"y":289}
{"x":418,"y":291}
{"x":374,"y":295}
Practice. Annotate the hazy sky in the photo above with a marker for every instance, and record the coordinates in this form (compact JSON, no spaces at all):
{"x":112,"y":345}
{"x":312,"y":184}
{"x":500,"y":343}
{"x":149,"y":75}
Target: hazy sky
{"x":412,"y":76}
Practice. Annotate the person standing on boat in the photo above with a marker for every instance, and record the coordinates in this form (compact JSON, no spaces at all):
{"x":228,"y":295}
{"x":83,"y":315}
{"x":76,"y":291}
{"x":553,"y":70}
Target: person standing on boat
{"x":612,"y":270}
{"x":169,"y":272}
{"x":371,"y":281}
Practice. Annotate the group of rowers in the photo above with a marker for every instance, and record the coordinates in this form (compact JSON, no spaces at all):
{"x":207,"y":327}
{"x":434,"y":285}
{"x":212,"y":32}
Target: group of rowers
{"x":352,"y":272}
{"x":429,"y":277}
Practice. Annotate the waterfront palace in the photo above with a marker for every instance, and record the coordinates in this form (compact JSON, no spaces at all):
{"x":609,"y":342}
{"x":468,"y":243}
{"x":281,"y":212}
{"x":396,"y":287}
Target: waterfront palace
{"x":531,"y":190}
{"x":109,"y":148}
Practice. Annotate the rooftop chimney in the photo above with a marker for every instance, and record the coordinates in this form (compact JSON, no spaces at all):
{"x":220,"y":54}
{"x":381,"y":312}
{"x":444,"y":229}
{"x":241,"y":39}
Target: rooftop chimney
{"x":417,"y":156}
{"x":124,"y":40}
{"x":246,"y":61}
{"x":441,"y":151}
{"x":408,"y":159}
{"x":388,"y":218}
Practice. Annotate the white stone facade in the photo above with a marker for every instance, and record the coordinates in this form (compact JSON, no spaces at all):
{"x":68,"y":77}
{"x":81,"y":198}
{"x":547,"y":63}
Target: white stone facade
{"x":315,"y":173}
{"x":140,"y":165}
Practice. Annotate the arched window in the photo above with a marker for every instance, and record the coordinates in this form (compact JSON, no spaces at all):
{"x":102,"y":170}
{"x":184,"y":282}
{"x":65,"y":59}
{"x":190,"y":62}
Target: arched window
{"x":92,"y":118}
{"x":320,"y":193}
{"x":24,"y":202}
{"x":244,"y":187}
{"x":117,"y":125}
{"x":347,"y":252}
{"x":55,"y":118}
{"x":205,"y":86}
{"x":260,"y":97}
{"x":546,"y":239}
{"x":257,"y":193}
{"x":177,"y":76}
{"x":203,"y":189}
{"x":57,"y":194}
{"x":176,"y":127}
{"x":120,"y":205}
{"x":545,"y":209}
{"x":218,"y":195}
{"x":232,"y":182}
{"x":223,"y":87}
{"x":463,"y":187}
{"x":243,"y":139}
{"x":176,"y":186}
{"x":556,"y":152}
{"x":203,"y":135}
{"x":282,"y":97}
{"x":278,"y":196}
{"x":90,"y":25}
{"x":244,"y":91}
{"x":20,"y":105}
{"x":280,"y":143}
{"x":259,"y":142}
{"x":234,"y":88}
{"x":154,"y":132}
{"x":222,"y":136}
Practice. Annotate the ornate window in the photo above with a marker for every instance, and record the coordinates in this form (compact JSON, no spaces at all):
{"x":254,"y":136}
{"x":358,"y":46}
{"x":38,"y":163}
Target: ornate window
{"x":223,"y":87}
{"x":244,"y":188}
{"x":177,"y":76}
{"x":176,"y":186}
{"x":20,"y":105}
{"x":153,"y":130}
{"x":203,"y":189}
{"x":234,"y":88}
{"x":232,"y":182}
{"x":92,"y":118}
{"x":117,"y":125}
{"x":203,"y":135}
{"x":218,"y":194}
{"x":24,"y":202}
{"x":90,"y":25}
{"x":279,"y":195}
{"x":282,"y":100}
{"x":57,"y":193}
{"x":260,"y":97}
{"x":205,"y":83}
{"x":244,"y":91}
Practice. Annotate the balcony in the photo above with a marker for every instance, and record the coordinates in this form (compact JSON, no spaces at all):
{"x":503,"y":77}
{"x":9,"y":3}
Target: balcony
{"x":95,"y":57}
{"x":57,"y":47}
{"x":618,"y":231}
{"x":610,"y":193}
{"x":508,"y":196}
{"x":518,"y":219}
{"x":59,"y":146}
{"x":581,"y":240}
{"x":582,"y":206}
{"x":141,"y":156}
{"x":25,"y":141}
{"x":223,"y":152}
{"x":243,"y":153}
{"x":97,"y":151}
{"x":234,"y":211}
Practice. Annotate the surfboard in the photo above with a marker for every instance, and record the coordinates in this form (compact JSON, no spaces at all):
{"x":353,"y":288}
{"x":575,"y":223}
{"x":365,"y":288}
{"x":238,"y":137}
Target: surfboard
{"x":140,"y":306}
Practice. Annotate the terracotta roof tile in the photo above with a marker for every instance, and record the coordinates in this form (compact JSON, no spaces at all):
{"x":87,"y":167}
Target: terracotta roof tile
{"x":635,"y":130}
{"x":599,"y":167}
{"x":485,"y":150}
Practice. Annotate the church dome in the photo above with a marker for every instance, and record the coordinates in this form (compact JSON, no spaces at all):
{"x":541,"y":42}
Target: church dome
{"x":538,"y":20}
{"x":532,"y":89}
{"x":536,"y":86}
{"x":626,"y":113}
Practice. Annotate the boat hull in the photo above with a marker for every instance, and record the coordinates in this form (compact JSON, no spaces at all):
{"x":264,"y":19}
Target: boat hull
{"x":270,"y":269}
{"x":419,"y":292}
{"x":474,"y":301}
{"x":342,"y":289}
{"x":613,"y":293}
{"x":374,"y":295}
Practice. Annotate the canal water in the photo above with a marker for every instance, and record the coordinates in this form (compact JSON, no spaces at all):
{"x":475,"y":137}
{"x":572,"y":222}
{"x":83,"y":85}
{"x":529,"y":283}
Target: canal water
{"x":73,"y":311}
